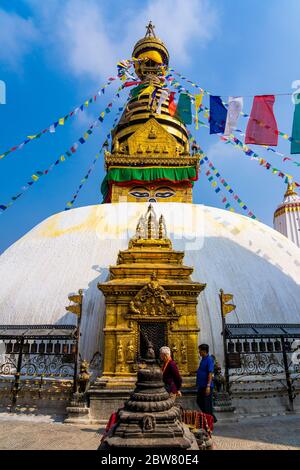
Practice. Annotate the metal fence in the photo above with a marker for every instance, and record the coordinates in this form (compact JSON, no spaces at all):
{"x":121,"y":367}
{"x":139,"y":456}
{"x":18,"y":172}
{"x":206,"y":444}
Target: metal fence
{"x":37,"y":362}
{"x":263,"y":359}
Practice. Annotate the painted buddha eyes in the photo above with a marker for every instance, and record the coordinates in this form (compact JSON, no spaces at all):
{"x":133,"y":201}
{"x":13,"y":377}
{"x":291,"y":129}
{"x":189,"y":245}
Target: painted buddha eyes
{"x":164,"y":192}
{"x":141,"y":192}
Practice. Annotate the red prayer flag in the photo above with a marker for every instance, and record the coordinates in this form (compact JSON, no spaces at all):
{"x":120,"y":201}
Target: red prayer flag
{"x":172,"y":104}
{"x":262,"y":126}
{"x":126,"y":84}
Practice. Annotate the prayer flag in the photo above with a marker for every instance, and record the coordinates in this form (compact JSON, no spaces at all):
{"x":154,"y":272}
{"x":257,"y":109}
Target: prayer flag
{"x":172,"y":104}
{"x":184,"y":109}
{"x":218,"y":115}
{"x":164,"y":95}
{"x":61,"y":121}
{"x":235,"y":106}
{"x":147,"y":91}
{"x":262,"y":125}
{"x":198,"y":102}
{"x":136,"y":91}
{"x":295,"y":144}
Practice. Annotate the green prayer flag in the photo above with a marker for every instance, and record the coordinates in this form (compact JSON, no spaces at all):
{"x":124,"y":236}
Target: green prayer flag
{"x":295,"y":144}
{"x":137,"y":90}
{"x":184,"y":109}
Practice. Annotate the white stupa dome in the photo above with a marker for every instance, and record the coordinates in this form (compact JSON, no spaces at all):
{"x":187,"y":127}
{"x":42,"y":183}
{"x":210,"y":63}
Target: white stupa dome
{"x":73,"y":250}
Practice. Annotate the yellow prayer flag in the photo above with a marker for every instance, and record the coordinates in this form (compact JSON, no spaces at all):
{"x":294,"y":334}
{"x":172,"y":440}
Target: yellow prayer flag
{"x":34,"y":177}
{"x":86,"y":136}
{"x":31,"y":137}
{"x":227,"y":309}
{"x":1,"y":156}
{"x":62,"y":158}
{"x":86,"y":103}
{"x":226,"y":297}
{"x":147,"y":91}
{"x":198,"y":102}
{"x":74,"y":309}
{"x":61,"y":121}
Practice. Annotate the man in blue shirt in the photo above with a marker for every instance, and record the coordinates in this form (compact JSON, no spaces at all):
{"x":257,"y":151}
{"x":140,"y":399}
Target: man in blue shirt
{"x":205,"y":381}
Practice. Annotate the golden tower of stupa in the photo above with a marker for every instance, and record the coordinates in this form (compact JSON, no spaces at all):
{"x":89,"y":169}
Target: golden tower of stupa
{"x":150,"y":156}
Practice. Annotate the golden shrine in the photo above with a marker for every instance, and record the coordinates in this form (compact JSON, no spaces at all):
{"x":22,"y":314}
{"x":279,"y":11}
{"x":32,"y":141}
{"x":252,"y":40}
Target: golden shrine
{"x":150,"y":298}
{"x":150,"y":157}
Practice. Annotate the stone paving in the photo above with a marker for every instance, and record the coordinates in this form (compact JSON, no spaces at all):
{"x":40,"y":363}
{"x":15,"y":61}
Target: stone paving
{"x":43,"y":432}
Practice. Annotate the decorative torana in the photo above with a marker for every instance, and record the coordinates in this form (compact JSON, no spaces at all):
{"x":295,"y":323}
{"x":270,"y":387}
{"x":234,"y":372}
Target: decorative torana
{"x":152,"y":300}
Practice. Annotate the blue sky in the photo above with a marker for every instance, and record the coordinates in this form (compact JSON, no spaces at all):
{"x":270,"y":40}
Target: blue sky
{"x":57,"y":53}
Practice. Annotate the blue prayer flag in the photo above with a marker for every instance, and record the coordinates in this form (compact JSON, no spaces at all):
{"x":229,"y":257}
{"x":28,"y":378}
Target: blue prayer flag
{"x":218,"y":115}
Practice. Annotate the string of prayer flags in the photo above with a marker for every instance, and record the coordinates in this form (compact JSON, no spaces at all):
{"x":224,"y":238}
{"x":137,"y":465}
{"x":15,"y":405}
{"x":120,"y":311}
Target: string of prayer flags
{"x":295,"y":144}
{"x":218,"y":115}
{"x":86,"y":177}
{"x":184,"y":109}
{"x":235,"y":106}
{"x":262,"y":126}
{"x":228,"y":187}
{"x":38,"y":174}
{"x":214,"y":185}
{"x":245,"y":147}
{"x":70,"y":203}
{"x":172,"y":104}
{"x":61,"y":121}
{"x":284,"y":135}
{"x":254,"y":156}
{"x":198,"y":102}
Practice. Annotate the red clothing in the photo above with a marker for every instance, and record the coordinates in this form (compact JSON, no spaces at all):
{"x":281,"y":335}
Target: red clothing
{"x":172,"y":377}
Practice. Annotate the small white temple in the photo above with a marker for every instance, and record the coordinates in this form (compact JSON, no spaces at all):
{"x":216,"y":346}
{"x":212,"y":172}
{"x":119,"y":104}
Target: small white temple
{"x":287,"y":215}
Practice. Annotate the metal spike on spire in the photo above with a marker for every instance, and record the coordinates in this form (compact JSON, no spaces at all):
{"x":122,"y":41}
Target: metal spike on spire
{"x":150,"y":30}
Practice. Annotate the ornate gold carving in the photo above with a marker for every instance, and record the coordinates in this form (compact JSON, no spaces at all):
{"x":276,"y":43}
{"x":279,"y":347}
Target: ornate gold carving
{"x":142,"y":140}
{"x":153,"y":301}
{"x":183,"y":353}
{"x":130,"y":352}
{"x":151,"y":160}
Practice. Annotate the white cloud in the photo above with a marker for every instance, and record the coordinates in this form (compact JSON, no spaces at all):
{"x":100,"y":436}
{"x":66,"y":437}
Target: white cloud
{"x":179,"y":23}
{"x":87,"y":37}
{"x":17,"y":38}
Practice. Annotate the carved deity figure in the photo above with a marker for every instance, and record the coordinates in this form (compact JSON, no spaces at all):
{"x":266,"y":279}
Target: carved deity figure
{"x":83,"y":377}
{"x":183,"y":354}
{"x":120,"y":354}
{"x":130,"y":352}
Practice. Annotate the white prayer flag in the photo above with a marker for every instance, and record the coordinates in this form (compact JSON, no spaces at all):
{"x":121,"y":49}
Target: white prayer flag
{"x":164,"y":95}
{"x":235,"y":106}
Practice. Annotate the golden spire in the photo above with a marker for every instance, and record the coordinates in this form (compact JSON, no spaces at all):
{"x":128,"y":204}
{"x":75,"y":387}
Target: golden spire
{"x":290,"y":190}
{"x":150,"y":30}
